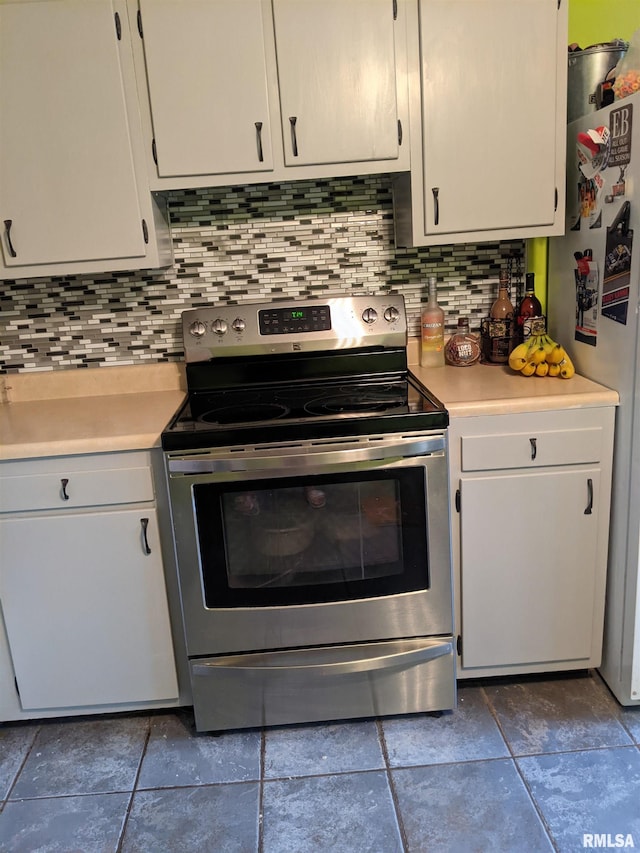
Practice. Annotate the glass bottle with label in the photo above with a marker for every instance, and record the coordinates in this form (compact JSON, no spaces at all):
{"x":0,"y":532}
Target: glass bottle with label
{"x":463,"y":348}
{"x":502,"y":308}
{"x":432,"y":330}
{"x":501,"y":323}
{"x":529,"y":319}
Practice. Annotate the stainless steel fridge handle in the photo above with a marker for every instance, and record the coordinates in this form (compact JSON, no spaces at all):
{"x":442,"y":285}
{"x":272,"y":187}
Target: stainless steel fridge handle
{"x":432,"y":650}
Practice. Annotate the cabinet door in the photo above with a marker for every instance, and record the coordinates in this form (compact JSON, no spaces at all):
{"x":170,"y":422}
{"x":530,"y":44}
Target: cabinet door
{"x":528,"y":566}
{"x":207,"y":76}
{"x":67,"y":185}
{"x":85,"y":609}
{"x":337,"y":80}
{"x":488,"y":71}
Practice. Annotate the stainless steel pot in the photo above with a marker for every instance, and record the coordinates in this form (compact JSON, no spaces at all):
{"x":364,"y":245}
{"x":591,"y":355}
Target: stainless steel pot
{"x":588,"y":70}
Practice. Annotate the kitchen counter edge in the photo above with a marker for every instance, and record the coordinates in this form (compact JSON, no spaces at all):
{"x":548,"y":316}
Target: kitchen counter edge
{"x":119,"y":409}
{"x":484,"y":389}
{"x":71,"y":412}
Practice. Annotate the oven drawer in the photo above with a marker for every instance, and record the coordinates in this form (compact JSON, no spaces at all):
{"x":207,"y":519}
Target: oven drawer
{"x":71,"y":482}
{"x":532,"y":449}
{"x":339,"y":682}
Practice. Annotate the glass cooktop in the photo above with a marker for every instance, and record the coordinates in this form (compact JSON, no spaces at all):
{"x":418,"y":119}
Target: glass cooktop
{"x":301,"y":411}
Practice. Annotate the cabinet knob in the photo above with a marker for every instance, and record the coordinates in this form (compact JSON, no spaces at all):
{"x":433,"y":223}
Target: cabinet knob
{"x":436,"y":205}
{"x":63,"y":491}
{"x":534,"y":448}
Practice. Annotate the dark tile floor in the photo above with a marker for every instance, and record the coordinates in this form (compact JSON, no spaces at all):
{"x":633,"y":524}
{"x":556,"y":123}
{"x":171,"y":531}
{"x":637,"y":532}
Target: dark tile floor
{"x":531,"y":765}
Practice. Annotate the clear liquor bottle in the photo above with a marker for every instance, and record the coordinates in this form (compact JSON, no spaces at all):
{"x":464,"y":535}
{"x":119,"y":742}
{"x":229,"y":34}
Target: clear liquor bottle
{"x":432,"y":330}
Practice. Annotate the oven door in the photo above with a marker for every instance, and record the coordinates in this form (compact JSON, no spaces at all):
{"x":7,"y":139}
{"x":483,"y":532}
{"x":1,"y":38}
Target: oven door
{"x":309,"y":544}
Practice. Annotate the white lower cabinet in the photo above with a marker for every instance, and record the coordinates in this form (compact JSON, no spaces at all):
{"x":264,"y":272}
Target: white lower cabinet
{"x":82,"y":588}
{"x":530,"y":510}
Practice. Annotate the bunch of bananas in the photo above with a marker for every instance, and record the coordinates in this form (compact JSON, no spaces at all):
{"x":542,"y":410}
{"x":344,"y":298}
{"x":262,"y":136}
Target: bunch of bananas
{"x":540,"y":355}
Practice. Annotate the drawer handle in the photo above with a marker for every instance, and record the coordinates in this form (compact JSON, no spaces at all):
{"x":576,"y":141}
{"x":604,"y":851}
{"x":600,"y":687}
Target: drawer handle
{"x":534,"y":448}
{"x":63,"y":491}
{"x":144,"y":524}
{"x":589,"y":508}
{"x":432,"y":650}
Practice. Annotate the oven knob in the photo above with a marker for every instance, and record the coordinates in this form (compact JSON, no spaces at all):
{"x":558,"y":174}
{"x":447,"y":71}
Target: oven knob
{"x":391,"y":314}
{"x":219,"y":327}
{"x":369,"y":315}
{"x":197,"y":329}
{"x":238,"y":325}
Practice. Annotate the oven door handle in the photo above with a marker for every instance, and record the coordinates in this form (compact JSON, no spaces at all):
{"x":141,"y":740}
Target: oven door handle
{"x":359,"y":661}
{"x":287,"y":459}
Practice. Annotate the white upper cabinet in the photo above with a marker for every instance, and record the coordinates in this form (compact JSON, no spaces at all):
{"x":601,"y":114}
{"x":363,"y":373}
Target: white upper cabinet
{"x":206,"y":68}
{"x":488,"y":122}
{"x":240,"y":91}
{"x":71,"y":198}
{"x":337,"y":80}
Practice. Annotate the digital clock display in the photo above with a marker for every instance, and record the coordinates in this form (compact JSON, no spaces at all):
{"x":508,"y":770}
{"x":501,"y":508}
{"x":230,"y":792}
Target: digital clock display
{"x":294,"y":321}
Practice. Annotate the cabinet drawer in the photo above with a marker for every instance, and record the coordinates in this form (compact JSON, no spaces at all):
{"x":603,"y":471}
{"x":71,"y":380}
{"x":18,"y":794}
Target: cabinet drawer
{"x":47,"y":490}
{"x":535,"y":448}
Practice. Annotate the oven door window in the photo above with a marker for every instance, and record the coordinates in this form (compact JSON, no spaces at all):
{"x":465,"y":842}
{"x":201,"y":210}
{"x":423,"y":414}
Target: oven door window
{"x":312,"y":539}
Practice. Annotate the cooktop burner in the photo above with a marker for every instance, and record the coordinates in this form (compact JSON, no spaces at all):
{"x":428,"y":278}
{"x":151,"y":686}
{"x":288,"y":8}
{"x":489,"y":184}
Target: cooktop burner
{"x":244,"y":413}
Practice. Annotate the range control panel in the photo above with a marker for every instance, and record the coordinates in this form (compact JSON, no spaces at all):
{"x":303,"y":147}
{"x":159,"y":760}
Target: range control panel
{"x":341,"y":322}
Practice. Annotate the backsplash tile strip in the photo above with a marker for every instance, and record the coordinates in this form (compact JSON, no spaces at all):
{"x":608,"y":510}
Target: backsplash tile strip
{"x":243,"y":244}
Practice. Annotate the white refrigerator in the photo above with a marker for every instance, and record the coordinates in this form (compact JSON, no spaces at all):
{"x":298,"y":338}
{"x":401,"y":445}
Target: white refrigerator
{"x":593,"y":304}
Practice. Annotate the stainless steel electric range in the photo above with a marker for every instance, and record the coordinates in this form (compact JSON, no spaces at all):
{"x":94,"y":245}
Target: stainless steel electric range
{"x":307,"y":477}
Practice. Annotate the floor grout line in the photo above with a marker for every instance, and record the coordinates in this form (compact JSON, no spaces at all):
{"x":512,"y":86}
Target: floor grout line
{"x":532,"y":799}
{"x":263,"y":752}
{"x":392,"y":786}
{"x":134,"y":787}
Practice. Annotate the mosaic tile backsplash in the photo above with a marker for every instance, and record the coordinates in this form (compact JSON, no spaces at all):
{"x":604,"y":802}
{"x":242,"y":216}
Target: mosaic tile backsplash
{"x":244,"y":244}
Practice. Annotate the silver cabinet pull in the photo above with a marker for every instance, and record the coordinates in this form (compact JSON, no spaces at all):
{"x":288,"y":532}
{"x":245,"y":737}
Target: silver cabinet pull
{"x":436,"y":205}
{"x":144,"y":524}
{"x":258,"y":125}
{"x":589,"y":509}
{"x":294,"y":138}
{"x":63,"y":490}
{"x":7,"y":230}
{"x":534,"y":448}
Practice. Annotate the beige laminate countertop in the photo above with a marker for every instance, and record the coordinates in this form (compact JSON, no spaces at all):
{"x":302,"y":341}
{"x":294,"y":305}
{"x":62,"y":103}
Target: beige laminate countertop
{"x":87,"y":411}
{"x":99,"y":410}
{"x":485,"y":389}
